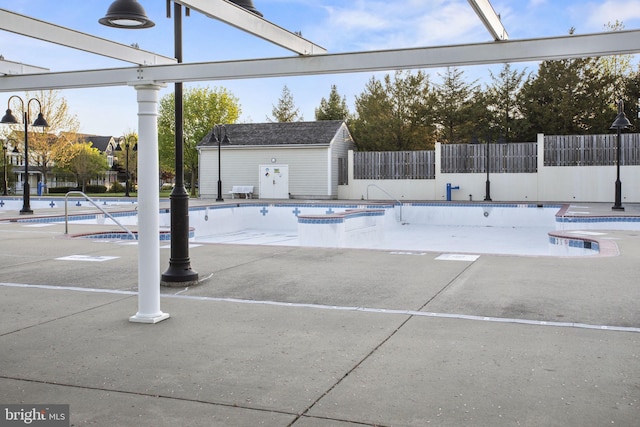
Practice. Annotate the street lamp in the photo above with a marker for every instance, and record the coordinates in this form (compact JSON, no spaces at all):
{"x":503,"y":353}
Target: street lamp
{"x":621,"y":122}
{"x":129,"y":14}
{"x":5,"y":148}
{"x":127,"y":145}
{"x":220,"y":138}
{"x":4,"y":169}
{"x":9,"y":118}
{"x":487,"y":192}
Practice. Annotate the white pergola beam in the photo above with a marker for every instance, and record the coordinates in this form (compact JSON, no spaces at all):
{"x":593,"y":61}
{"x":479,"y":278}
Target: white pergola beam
{"x":11,"y":67}
{"x":490,"y":19}
{"x":35,"y":28}
{"x":244,"y":20}
{"x":573,"y":46}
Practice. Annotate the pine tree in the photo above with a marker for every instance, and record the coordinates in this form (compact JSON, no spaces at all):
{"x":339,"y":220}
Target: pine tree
{"x":286,"y":110}
{"x":457,"y":113}
{"x":502,"y":102}
{"x":395,"y":114}
{"x":333,"y":109}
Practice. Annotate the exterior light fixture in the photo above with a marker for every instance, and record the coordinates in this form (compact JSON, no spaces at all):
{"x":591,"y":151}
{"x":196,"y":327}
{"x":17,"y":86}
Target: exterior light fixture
{"x":621,"y":122}
{"x":127,"y":145}
{"x":248,"y":5}
{"x":220,"y":135}
{"x":126,"y":14}
{"x":40,"y":121}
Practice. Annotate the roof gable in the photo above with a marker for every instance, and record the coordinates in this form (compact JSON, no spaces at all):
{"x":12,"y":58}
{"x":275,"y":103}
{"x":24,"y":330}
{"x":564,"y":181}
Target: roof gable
{"x":277,"y":134}
{"x":99,"y":142}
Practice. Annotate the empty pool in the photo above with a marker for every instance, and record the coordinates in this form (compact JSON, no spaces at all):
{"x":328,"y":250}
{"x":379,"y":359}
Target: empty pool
{"x":517,"y":229}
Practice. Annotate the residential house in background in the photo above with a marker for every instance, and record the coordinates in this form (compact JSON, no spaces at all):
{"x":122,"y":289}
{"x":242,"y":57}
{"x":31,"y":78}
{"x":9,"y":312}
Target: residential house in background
{"x":106,"y":145}
{"x":41,"y":164}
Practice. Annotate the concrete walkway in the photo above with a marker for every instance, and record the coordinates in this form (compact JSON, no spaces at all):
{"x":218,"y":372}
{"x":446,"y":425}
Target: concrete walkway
{"x":309,"y":337}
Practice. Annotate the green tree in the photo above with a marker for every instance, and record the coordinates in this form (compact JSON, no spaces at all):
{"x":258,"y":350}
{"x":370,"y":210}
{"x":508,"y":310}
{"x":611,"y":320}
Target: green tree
{"x":286,"y":111}
{"x":81,"y":159}
{"x":335,"y":108}
{"x":632,"y":98}
{"x":396,"y":114}
{"x":615,"y":68}
{"x":568,"y":96}
{"x":202,"y":109}
{"x":502,"y":102}
{"x":457,"y":113}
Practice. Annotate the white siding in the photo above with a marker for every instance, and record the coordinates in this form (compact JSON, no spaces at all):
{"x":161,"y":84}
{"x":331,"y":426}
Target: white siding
{"x":340,"y":146}
{"x":308,"y":169}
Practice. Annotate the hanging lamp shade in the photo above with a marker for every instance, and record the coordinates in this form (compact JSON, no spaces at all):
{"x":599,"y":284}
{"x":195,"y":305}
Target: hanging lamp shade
{"x":621,"y":121}
{"x":40,"y":121}
{"x":246,"y":4}
{"x":9,"y":118}
{"x":126,"y":14}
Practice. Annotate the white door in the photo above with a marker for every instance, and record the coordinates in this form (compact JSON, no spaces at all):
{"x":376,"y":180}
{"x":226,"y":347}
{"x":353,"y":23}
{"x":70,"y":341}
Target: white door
{"x":274,"y":181}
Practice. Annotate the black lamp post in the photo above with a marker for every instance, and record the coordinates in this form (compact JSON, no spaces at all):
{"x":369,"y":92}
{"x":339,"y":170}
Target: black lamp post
{"x":129,"y":14}
{"x":621,"y":122}
{"x":9,"y":118}
{"x":487,"y":191}
{"x":4,"y":169}
{"x":220,"y":134}
{"x":179,"y":272}
{"x":127,"y":146}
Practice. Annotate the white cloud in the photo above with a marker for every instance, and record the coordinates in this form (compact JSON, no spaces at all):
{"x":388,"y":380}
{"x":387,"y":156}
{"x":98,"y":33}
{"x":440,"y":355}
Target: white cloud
{"x":536,"y":3}
{"x":374,"y":25}
{"x":610,"y":11}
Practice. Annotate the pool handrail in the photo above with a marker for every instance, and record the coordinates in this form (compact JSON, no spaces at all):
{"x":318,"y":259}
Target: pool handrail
{"x":90,"y":200}
{"x":381,"y":189}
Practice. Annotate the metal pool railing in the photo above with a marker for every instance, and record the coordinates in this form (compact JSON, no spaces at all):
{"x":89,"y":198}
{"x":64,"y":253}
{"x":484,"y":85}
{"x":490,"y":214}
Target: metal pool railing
{"x":381,"y":189}
{"x":90,"y":200}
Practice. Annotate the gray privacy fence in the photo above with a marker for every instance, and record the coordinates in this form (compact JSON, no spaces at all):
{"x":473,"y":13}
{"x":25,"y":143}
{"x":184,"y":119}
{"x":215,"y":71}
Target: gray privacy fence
{"x":394,"y":164}
{"x":516,"y":157}
{"x":513,"y":157}
{"x":591,"y":150}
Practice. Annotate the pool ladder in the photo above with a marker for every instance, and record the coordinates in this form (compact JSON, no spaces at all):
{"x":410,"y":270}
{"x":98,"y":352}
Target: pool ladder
{"x":90,"y":200}
{"x":381,"y":189}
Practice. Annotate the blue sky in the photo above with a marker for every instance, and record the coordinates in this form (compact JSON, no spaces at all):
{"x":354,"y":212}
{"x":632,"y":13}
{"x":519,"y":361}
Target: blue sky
{"x":337,"y":25}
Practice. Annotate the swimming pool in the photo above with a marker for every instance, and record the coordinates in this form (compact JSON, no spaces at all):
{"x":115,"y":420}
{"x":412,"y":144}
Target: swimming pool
{"x":478,"y":228}
{"x":513,"y":229}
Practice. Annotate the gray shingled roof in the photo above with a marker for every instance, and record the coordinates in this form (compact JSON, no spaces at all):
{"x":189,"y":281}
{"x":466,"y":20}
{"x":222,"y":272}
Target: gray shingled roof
{"x":266,"y":134}
{"x":99,"y":142}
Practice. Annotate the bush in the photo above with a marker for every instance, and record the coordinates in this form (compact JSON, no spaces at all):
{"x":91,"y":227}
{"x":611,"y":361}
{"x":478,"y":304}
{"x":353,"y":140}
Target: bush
{"x":61,"y":190}
{"x":95,"y":189}
{"x":116,"y":187}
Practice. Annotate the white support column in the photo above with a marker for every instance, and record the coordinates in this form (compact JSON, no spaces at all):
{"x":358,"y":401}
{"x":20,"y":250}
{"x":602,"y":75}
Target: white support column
{"x":540,"y":173}
{"x":148,"y":208}
{"x":439,"y":182}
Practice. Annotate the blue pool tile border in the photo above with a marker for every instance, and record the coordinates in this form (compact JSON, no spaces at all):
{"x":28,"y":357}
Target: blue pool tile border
{"x":575,"y":243}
